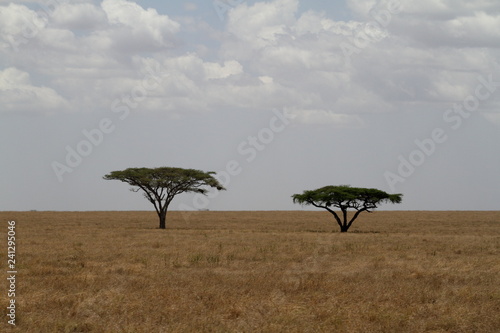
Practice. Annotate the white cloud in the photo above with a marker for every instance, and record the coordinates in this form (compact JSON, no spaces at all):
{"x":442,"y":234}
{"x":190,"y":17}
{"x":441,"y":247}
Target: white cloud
{"x":115,"y":25}
{"x":80,"y":16}
{"x":216,"y":71}
{"x":301,"y":53}
{"x":263,"y":23}
{"x":315,"y":23}
{"x":62,"y":40}
{"x":457,"y":23}
{"x":19,"y":25}
{"x":138,"y":28}
{"x":88,"y":68}
{"x":445,"y":9}
{"x":480,"y":29}
{"x":18,"y":94}
{"x":271,"y":55}
{"x":266,"y":79}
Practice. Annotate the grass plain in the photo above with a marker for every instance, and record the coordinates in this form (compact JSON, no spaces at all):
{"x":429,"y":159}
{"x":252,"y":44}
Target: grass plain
{"x":394,"y":271}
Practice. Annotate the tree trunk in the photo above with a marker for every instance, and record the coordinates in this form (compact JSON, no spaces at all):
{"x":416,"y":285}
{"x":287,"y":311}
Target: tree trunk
{"x":163,"y":219}
{"x":344,"y":226}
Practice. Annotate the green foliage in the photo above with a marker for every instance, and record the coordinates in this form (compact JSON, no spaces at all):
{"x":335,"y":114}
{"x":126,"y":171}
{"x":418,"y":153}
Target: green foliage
{"x":174,"y":180}
{"x":346,"y":197}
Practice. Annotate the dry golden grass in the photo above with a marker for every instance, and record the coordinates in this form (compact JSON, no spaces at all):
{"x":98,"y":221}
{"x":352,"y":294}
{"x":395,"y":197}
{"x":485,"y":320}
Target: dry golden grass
{"x":255,"y":272}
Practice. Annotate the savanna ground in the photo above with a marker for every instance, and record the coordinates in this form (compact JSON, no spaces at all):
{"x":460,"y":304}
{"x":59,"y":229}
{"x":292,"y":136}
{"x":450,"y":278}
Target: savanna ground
{"x":254,"y":272}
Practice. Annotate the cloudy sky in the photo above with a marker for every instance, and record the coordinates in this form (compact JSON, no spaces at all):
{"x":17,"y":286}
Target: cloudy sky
{"x":277,"y":96}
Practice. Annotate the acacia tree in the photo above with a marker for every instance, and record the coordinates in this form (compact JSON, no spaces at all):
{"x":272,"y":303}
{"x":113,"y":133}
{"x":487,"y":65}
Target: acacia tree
{"x":345,"y":197}
{"x":161,"y":185}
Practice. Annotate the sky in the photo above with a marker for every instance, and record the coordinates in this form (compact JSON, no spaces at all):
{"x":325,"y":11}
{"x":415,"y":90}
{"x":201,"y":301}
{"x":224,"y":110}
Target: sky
{"x":276,"y":96}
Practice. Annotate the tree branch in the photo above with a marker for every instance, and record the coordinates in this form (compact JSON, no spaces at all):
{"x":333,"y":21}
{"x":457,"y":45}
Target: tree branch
{"x":337,"y":218}
{"x":355,"y":216}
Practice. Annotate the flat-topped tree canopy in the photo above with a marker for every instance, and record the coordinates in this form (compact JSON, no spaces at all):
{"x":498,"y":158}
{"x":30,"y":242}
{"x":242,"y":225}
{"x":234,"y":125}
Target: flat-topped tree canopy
{"x":161,"y":185}
{"x":346,"y":197}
